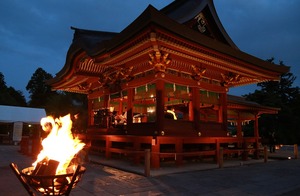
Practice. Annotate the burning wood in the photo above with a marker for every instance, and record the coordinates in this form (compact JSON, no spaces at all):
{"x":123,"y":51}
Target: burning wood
{"x":54,"y":172}
{"x":59,"y":145}
{"x":45,"y":168}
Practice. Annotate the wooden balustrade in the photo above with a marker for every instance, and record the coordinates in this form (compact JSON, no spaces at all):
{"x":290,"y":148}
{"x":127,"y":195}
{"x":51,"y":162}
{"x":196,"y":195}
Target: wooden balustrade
{"x":173,"y":148}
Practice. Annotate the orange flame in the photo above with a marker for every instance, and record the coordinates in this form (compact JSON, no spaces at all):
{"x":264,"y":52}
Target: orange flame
{"x":59,"y":145}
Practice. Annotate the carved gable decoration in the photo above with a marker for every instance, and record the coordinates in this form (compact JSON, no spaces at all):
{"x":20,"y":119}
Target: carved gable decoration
{"x":204,"y":23}
{"x":201,"y":26}
{"x":201,"y":16}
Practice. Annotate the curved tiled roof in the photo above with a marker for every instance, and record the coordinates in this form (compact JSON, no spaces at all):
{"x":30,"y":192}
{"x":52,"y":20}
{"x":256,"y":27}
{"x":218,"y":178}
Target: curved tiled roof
{"x":100,"y":43}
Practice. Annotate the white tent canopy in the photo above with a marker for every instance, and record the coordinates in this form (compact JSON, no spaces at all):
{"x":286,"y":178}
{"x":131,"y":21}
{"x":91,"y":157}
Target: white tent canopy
{"x":10,"y":114}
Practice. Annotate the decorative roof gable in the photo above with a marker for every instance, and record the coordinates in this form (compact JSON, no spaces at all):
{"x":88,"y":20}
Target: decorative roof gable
{"x":201,"y":16}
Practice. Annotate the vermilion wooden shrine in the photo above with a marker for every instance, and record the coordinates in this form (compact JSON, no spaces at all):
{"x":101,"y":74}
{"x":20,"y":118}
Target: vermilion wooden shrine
{"x":169,"y":71}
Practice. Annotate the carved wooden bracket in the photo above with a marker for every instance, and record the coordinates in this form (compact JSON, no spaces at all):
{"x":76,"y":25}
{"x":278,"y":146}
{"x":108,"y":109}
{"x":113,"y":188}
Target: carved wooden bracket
{"x":115,"y":77}
{"x":198,"y":72}
{"x":159,"y":62}
{"x":230,"y":78}
{"x":84,"y":86}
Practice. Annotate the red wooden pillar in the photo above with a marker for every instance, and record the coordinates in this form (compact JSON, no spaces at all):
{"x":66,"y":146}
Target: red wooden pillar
{"x":107,"y":147}
{"x":90,"y":112}
{"x":179,"y":158}
{"x":239,"y":130}
{"x":218,"y":159}
{"x":223,"y":99}
{"x":191,"y":111}
{"x":130,"y":107}
{"x":155,"y":150}
{"x":137,"y":147}
{"x":245,"y":153}
{"x":196,"y":107}
{"x":160,"y":106}
{"x":106,"y":101}
{"x":120,"y":108}
{"x":239,"y":127}
{"x":256,"y":135}
{"x":106,"y":105}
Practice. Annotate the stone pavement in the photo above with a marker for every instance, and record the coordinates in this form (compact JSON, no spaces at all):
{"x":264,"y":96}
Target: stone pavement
{"x":276,"y":177}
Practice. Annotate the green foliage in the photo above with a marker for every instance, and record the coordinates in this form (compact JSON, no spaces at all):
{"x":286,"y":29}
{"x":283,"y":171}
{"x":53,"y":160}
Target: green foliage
{"x":280,"y":94}
{"x":2,"y":83}
{"x":56,"y":104}
{"x":10,"y":96}
{"x":64,"y":103}
{"x":39,"y":91}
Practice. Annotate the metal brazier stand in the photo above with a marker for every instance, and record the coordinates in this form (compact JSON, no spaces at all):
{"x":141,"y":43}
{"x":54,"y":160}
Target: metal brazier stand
{"x":48,"y":184}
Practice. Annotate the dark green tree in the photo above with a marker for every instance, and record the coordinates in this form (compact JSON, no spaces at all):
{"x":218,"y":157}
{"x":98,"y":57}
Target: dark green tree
{"x":57,"y":103}
{"x":17,"y":97}
{"x":64,"y":103}
{"x":39,"y":91}
{"x":2,"y":83}
{"x":10,"y":96}
{"x":280,"y":94}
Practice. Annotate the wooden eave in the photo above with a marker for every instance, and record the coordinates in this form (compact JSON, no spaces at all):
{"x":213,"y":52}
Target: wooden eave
{"x":85,"y":43}
{"x":241,"y":104}
{"x":154,"y":32}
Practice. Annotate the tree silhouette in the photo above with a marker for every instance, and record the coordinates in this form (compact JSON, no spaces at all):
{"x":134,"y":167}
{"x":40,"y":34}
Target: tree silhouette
{"x":10,"y":96}
{"x":39,"y":91}
{"x":2,"y":83}
{"x":280,"y":94}
{"x":75,"y":104}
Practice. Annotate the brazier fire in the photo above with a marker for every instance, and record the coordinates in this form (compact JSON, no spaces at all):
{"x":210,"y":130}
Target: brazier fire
{"x":57,"y":169}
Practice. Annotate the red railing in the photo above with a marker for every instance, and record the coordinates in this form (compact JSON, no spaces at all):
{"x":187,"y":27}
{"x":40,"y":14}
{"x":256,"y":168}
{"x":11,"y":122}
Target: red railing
{"x":173,"y":148}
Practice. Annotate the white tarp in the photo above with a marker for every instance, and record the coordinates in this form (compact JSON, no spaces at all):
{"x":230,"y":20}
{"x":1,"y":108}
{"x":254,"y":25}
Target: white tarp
{"x":10,"y":114}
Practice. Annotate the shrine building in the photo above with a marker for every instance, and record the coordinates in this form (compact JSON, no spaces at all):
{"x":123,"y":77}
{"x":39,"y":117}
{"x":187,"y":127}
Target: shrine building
{"x":162,"y":84}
